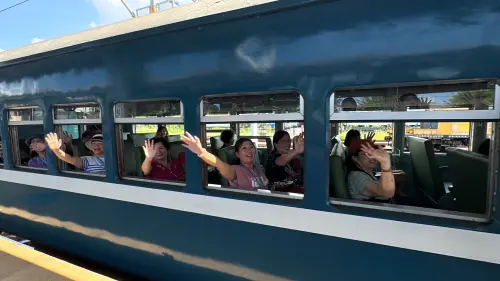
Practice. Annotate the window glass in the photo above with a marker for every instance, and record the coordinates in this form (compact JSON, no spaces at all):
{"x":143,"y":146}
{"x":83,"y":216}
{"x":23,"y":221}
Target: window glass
{"x":65,"y":112}
{"x":281,"y":103}
{"x":465,"y":96}
{"x":25,"y":114}
{"x":156,"y":108}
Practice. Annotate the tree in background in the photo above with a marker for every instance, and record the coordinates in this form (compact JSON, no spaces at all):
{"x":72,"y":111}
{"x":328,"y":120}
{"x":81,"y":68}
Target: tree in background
{"x":479,"y":99}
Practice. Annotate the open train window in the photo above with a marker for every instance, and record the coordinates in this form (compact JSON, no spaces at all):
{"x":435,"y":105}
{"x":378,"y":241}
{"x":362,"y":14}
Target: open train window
{"x":148,"y":140}
{"x":440,"y":148}
{"x":78,"y":126}
{"x":255,"y":118}
{"x":27,"y":137}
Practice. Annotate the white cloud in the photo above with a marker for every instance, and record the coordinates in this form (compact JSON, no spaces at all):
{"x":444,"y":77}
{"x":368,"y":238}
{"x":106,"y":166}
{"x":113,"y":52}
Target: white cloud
{"x":111,"y":11}
{"x":92,"y":24}
{"x":36,"y":40}
{"x":1,"y":50}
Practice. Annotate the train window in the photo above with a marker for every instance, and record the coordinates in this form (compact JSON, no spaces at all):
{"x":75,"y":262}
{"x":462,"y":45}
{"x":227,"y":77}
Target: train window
{"x":27,"y":137}
{"x":436,"y":154}
{"x":78,"y":126}
{"x":248,"y":122}
{"x":148,"y":140}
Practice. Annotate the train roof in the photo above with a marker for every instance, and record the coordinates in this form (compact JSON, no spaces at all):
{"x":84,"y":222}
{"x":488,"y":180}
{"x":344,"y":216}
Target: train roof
{"x":175,"y":15}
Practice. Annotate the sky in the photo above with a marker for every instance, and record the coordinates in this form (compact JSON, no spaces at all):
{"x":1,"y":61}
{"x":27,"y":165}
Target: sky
{"x":38,"y":20}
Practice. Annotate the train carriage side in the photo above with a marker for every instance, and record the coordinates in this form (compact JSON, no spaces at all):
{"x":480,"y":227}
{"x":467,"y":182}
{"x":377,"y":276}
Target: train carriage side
{"x":257,"y":70}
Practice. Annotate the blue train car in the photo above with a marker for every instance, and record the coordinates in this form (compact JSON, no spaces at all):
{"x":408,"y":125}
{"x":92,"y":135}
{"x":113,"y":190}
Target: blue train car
{"x":317,"y":66}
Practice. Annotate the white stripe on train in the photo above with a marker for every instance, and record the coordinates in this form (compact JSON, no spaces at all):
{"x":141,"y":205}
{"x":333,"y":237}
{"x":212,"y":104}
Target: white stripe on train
{"x":459,"y":243}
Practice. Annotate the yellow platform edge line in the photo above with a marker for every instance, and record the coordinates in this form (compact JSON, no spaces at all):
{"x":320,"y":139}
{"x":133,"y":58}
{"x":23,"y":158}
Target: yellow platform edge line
{"x":50,"y":263}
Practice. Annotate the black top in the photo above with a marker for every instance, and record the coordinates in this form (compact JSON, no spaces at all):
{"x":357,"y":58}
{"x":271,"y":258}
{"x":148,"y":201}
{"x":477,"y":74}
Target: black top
{"x":275,"y":173}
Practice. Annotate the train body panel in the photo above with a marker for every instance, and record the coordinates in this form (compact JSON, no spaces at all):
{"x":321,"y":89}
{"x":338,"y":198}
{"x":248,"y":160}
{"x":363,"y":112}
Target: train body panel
{"x":187,"y":232}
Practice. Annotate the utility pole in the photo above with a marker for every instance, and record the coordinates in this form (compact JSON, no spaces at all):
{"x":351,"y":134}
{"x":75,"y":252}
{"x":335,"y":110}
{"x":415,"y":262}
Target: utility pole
{"x":152,"y":7}
{"x":128,"y":8}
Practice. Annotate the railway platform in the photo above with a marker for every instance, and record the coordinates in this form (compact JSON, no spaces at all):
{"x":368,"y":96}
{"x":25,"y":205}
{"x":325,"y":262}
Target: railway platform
{"x":19,"y":261}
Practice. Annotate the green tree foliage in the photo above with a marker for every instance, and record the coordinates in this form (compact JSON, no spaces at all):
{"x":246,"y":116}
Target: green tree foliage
{"x":479,"y":99}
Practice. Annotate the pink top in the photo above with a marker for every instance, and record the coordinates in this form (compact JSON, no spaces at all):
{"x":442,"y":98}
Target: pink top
{"x":249,"y":179}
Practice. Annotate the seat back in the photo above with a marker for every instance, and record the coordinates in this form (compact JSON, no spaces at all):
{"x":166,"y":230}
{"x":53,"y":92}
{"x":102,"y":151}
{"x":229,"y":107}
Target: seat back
{"x":338,"y":181}
{"x":469,"y":173}
{"x":425,"y":167}
{"x":129,"y":157}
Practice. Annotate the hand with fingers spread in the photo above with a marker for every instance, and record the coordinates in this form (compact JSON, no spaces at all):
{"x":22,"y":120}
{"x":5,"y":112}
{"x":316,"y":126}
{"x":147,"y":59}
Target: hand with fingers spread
{"x":192,"y":143}
{"x":298,"y":144}
{"x":377,"y":154}
{"x":53,"y":141}
{"x":370,"y":136}
{"x":149,"y":149}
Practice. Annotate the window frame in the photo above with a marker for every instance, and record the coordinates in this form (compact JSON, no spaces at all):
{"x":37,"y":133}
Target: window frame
{"x":429,"y":116}
{"x":119,"y":121}
{"x":58,"y":123}
{"x":15,"y":149}
{"x":267,"y":118}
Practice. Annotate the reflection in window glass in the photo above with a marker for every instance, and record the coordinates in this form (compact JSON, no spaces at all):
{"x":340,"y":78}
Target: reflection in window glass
{"x":77,"y":112}
{"x":25,"y":114}
{"x":466,"y":96}
{"x":162,"y":108}
{"x":252,"y":104}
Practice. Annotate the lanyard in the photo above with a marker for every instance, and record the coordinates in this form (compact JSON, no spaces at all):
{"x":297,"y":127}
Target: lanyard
{"x":43,"y":160}
{"x":257,"y":177}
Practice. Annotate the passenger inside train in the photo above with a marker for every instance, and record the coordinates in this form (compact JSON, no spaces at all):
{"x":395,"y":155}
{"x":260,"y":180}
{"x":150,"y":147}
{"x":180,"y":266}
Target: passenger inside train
{"x":162,"y":132}
{"x":227,"y":138}
{"x":283,"y":166}
{"x":248,"y":175}
{"x":94,"y":164}
{"x":157,"y":163}
{"x":37,"y":144}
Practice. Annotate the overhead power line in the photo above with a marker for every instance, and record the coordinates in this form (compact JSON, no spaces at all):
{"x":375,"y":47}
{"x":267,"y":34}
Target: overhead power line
{"x":8,"y":8}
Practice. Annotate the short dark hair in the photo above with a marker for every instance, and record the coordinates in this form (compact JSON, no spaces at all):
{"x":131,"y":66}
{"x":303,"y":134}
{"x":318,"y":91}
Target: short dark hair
{"x":163,"y":141}
{"x":240,"y":142}
{"x":226,"y":136}
{"x":350,"y":136}
{"x":279,"y":135}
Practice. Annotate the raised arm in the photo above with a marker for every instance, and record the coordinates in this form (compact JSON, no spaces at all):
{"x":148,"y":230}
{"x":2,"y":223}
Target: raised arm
{"x":194,"y":144}
{"x":298,"y":148}
{"x":386,"y":187}
{"x":149,"y":152}
{"x":55,"y":144}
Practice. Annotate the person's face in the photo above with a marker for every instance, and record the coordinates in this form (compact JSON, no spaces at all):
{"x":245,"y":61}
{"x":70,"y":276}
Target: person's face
{"x":284,"y":144}
{"x":38,"y":145}
{"x":97,"y":148}
{"x":366,"y":162}
{"x":246,"y":153}
{"x":161,"y":151}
